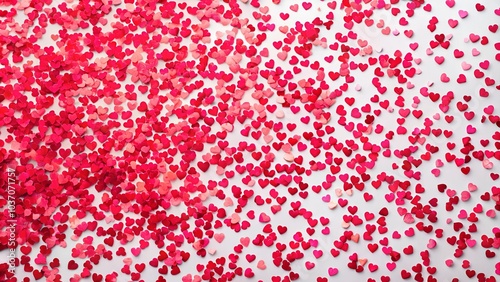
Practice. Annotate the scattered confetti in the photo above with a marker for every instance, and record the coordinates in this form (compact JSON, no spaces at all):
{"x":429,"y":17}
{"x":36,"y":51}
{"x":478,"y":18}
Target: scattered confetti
{"x":249,"y":140}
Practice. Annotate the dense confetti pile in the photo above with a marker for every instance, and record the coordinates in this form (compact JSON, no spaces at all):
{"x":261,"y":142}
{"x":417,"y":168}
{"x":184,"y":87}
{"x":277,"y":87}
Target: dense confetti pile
{"x":249,"y":140}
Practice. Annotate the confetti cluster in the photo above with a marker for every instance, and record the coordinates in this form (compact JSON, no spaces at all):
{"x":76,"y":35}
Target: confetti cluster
{"x":249,"y":140}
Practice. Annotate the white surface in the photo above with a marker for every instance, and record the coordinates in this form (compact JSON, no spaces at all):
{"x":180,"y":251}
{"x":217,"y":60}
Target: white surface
{"x":450,"y":174}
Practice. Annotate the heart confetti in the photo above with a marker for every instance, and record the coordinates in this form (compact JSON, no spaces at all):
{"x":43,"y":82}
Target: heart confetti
{"x":239,"y":140}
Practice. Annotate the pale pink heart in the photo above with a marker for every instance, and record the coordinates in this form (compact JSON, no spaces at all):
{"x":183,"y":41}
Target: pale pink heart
{"x":227,"y":127}
{"x":282,"y":55}
{"x":287,"y":148}
{"x":491,"y":213}
{"x":245,"y":241}
{"x":280,"y":114}
{"x":127,"y":261}
{"x":264,"y":218}
{"x":471,"y":187}
{"x":235,"y":218}
{"x":345,"y":225}
{"x":432,"y":244}
{"x":402,"y":211}
{"x":487,"y":164}
{"x":268,"y":139}
{"x":220,"y":170}
{"x":332,"y":205}
{"x":408,"y":218}
{"x":466,"y":66}
{"x":288,"y":157}
{"x":465,"y":196}
{"x":219,"y":237}
{"x":228,"y":202}
{"x":451,"y":193}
